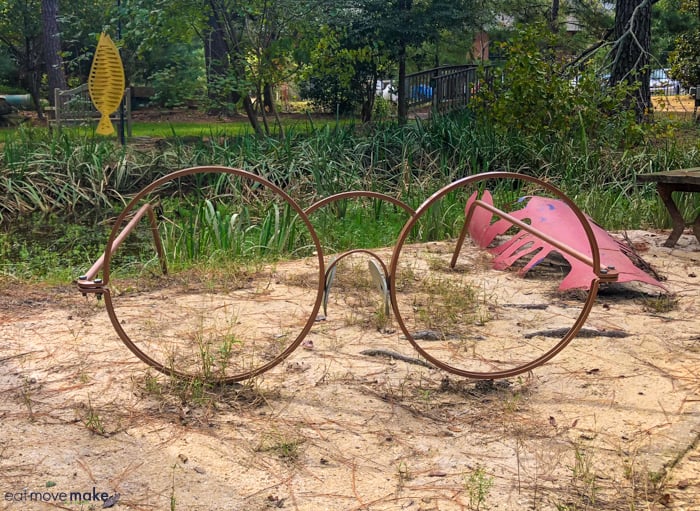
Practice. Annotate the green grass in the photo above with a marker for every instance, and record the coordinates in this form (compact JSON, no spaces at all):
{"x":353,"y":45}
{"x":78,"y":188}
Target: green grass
{"x":190,"y":129}
{"x":214,"y":230}
{"x":212,"y":129}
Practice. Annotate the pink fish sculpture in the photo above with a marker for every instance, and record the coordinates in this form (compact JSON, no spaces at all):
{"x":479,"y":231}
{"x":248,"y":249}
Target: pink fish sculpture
{"x":557,"y":220}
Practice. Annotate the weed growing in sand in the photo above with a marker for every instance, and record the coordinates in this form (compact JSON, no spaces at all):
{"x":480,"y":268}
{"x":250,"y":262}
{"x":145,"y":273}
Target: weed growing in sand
{"x":381,"y":318}
{"x":583,"y":476}
{"x":403,"y":473}
{"x":225,"y":352}
{"x":206,"y":357}
{"x":151,"y":383}
{"x":92,"y":420}
{"x":448,"y":303}
{"x":435,"y":263}
{"x":207,"y":354}
{"x":645,"y":484}
{"x":478,"y":486}
{"x":352,"y":318}
{"x":27,"y":396}
{"x":284,"y":446}
{"x":660,"y":304}
{"x":189,"y":391}
{"x":194,"y":390}
{"x":173,"y":500}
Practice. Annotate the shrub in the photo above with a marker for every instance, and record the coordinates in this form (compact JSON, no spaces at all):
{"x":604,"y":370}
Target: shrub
{"x":535,"y":97}
{"x":685,"y":59}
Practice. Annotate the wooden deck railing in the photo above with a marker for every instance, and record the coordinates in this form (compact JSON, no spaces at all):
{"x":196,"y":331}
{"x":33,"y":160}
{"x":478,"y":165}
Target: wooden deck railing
{"x":446,"y":88}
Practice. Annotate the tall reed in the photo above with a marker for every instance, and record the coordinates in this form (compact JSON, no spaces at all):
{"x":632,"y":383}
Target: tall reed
{"x":70,"y":174}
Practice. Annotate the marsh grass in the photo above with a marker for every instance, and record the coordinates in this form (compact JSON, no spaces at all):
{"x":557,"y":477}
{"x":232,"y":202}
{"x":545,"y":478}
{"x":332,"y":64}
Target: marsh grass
{"x":660,"y":304}
{"x":86,"y":180}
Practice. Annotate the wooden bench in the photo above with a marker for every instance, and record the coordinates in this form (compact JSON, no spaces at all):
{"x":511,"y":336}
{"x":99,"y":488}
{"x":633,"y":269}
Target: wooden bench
{"x":74,"y":106}
{"x":681,"y":180}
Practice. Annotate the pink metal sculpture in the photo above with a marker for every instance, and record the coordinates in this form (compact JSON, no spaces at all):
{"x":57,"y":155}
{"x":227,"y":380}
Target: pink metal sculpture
{"x":558,"y":221}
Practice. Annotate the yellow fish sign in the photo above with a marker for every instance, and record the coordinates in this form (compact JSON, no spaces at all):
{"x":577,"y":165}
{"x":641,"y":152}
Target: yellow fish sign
{"x":106,"y":82}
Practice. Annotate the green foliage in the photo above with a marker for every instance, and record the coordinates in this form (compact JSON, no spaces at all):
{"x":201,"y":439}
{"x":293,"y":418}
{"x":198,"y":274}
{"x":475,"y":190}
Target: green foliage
{"x":73,"y":175}
{"x":535,"y":99}
{"x":685,"y":59}
{"x":180,"y":79}
{"x":47,"y":172}
{"x":383,"y":110}
{"x":80,"y":23}
{"x":671,"y":20}
{"x":48,"y":247}
{"x":338,"y":72}
{"x":20,"y":36}
{"x":211,"y":230}
{"x":9,"y":80}
{"x":478,"y":486}
{"x":159,"y":37}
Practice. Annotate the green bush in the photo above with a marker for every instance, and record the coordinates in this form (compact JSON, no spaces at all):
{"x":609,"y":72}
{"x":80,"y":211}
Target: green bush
{"x":685,"y":59}
{"x":177,"y":81}
{"x":536,"y":98}
{"x":383,"y":109}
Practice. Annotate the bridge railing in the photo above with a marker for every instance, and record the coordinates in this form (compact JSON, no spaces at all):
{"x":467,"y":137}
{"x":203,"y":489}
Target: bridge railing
{"x":446,"y":88}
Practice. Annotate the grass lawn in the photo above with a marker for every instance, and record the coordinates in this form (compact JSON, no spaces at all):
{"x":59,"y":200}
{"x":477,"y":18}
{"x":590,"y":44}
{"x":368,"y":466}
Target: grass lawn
{"x":164,"y":129}
{"x":193,"y":123}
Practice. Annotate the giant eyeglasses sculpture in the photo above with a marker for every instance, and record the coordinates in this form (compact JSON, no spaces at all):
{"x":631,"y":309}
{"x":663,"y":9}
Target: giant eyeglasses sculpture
{"x":242,"y":317}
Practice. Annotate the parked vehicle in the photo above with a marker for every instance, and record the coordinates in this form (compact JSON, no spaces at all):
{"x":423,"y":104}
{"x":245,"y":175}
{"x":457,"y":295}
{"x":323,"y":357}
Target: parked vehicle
{"x":386,"y":89}
{"x":390,"y":94}
{"x":661,"y":83}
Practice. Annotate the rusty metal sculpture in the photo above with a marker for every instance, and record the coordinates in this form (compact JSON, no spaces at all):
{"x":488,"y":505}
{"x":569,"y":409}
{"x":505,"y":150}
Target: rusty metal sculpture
{"x":387,"y":276}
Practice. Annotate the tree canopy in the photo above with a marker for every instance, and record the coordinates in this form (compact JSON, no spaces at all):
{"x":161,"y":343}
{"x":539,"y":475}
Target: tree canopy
{"x":230,"y":54}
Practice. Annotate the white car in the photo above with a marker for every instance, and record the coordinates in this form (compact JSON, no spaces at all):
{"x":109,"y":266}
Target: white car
{"x":661,"y":83}
{"x":389,"y":94}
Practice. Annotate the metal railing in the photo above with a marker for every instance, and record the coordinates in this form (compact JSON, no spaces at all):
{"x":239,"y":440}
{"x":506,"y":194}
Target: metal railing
{"x":446,"y":88}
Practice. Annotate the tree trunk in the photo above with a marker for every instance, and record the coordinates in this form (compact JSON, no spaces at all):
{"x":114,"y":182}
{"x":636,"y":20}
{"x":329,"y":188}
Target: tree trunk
{"x":402,"y":113}
{"x":630,"y":53}
{"x":271,"y":107}
{"x":218,"y":68}
{"x":554,"y":17}
{"x":252,"y":117}
{"x":268,"y":98}
{"x":33,"y":84}
{"x":368,"y":101}
{"x":52,"y":47}
{"x":405,"y":7}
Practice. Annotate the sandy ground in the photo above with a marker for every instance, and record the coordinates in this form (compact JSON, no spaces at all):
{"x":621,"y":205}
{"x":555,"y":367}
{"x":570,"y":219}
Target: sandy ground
{"x":682,"y":103}
{"x":609,"y":423}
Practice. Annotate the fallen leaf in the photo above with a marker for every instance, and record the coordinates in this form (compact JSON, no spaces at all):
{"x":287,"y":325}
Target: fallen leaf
{"x":111,"y":501}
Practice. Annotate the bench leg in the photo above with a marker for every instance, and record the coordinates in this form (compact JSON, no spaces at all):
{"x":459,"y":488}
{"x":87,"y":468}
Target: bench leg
{"x":676,"y":217}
